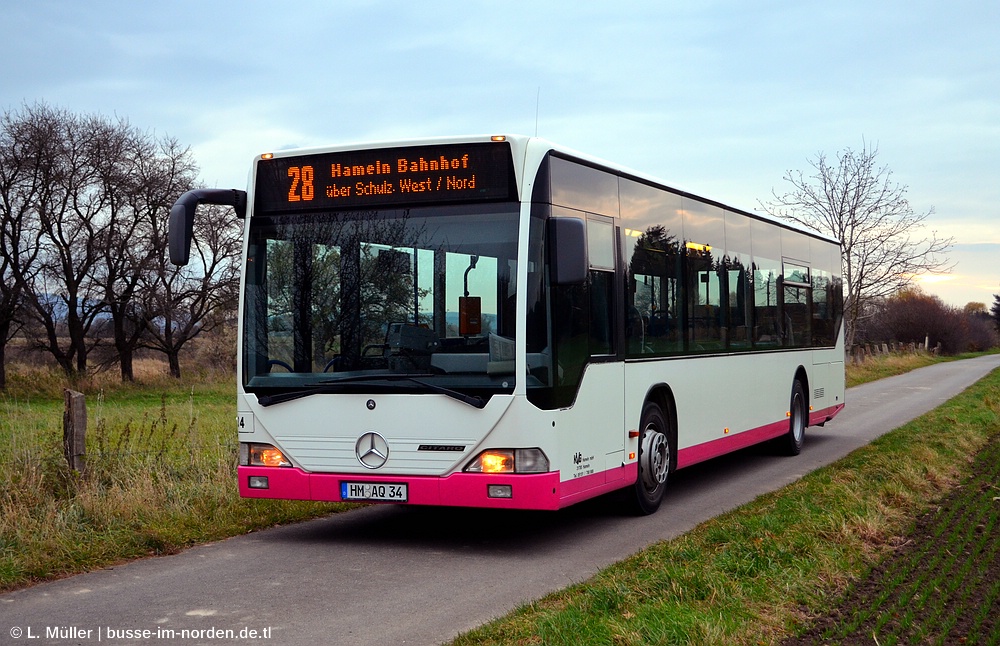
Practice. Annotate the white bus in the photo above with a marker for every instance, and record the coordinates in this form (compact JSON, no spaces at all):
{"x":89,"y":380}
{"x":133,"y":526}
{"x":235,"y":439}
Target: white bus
{"x":500,"y":322}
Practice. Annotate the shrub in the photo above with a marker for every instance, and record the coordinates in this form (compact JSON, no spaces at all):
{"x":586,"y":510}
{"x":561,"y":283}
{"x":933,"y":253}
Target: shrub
{"x":912,"y":316}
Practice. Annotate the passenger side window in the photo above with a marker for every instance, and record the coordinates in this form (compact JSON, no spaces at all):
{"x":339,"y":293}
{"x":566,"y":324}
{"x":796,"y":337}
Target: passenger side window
{"x":705,"y":248}
{"x":652,"y":248}
{"x":796,"y":301}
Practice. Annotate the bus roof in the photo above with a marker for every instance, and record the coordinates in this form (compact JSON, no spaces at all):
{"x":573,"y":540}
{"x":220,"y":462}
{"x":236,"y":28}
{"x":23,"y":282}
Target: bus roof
{"x":539,"y":147}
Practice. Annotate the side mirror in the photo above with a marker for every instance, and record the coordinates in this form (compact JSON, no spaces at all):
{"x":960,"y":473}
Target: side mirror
{"x":180,"y":227}
{"x":568,"y":263}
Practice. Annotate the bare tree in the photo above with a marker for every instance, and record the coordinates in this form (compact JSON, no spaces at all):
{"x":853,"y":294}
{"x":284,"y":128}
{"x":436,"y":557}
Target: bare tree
{"x":857,"y":202}
{"x":141,"y":177}
{"x":55,"y":214}
{"x":10,"y":305}
{"x":82,"y":199}
{"x":198,"y":297}
{"x":18,"y":238}
{"x":11,"y":289}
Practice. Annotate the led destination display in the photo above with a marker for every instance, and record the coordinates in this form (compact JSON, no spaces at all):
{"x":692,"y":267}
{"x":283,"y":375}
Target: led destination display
{"x":388,"y":176}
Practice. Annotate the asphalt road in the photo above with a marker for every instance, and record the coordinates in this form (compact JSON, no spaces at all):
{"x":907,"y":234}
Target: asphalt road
{"x":399,"y":575}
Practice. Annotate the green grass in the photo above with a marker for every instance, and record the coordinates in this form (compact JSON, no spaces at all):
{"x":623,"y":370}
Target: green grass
{"x":888,"y":366}
{"x":160,"y":476}
{"x":759,"y":573}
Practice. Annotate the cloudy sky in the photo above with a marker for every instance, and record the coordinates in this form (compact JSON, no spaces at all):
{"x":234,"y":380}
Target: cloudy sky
{"x":718,"y":97}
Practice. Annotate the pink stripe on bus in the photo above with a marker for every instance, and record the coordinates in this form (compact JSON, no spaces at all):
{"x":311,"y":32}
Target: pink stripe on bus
{"x":715,"y":448}
{"x":529,"y":491}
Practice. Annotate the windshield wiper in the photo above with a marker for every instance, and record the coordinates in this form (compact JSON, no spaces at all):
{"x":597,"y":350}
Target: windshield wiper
{"x":476,"y":401}
{"x":332,"y":386}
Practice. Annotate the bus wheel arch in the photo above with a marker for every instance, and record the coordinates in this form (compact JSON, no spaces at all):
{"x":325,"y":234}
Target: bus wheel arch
{"x":802,"y":376}
{"x":657,"y":454}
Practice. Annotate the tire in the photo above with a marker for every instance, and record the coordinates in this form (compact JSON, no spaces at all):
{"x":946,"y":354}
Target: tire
{"x":654,"y":460}
{"x":798,"y":419}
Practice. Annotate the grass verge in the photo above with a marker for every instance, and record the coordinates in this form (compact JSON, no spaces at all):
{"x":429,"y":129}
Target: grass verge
{"x":765,"y":570}
{"x":896,"y":364}
{"x":160,"y":476}
{"x":888,"y":366}
{"x":940,"y":586}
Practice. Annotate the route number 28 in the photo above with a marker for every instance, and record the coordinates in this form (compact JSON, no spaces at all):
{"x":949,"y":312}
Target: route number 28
{"x":302,"y":189}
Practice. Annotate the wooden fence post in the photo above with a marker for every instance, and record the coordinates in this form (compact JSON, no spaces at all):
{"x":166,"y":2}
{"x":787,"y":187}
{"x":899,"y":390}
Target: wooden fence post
{"x":75,"y":430}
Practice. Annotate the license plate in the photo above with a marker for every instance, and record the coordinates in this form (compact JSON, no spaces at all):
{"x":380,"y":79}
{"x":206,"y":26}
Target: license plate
{"x":383,"y":491}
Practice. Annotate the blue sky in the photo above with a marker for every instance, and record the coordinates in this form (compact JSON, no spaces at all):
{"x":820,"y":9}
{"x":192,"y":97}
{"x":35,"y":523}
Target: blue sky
{"x":718,"y":97}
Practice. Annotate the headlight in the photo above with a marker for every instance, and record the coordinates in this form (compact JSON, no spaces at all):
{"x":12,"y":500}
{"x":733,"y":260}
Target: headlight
{"x":262,"y":455}
{"x":509,"y":461}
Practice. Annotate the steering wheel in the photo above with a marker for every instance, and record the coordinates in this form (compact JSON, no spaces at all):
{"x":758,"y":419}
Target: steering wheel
{"x":278,"y":362}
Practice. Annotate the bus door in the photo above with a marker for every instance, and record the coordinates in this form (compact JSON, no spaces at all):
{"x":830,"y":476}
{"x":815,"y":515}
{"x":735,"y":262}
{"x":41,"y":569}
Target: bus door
{"x":603,"y":398}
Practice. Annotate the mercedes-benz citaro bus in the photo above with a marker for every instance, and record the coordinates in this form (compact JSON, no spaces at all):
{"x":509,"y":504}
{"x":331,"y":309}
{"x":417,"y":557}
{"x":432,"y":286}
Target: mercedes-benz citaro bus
{"x":499,"y":322}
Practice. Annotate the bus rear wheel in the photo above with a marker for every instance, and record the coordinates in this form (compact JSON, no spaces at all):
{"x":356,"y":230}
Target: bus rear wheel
{"x":654,"y":459}
{"x":797,"y":420}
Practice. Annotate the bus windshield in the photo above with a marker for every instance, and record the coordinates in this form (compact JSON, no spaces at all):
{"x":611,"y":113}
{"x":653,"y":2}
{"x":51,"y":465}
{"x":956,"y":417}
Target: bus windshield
{"x":361,"y":298}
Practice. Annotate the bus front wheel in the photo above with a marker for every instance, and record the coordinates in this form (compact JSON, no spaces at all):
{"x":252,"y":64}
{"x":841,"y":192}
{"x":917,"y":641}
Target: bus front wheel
{"x":654,"y":459}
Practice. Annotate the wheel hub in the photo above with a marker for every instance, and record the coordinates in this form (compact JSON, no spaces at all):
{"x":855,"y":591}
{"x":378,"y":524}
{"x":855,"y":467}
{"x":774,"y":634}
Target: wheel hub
{"x":655,"y":456}
{"x":798,"y":418}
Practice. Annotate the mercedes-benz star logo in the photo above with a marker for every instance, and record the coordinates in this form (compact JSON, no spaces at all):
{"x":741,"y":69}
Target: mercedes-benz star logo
{"x":372,"y":450}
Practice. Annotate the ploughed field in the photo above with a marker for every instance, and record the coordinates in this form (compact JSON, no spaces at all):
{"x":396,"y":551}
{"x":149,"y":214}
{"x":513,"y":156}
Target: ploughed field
{"x":940,"y":584}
